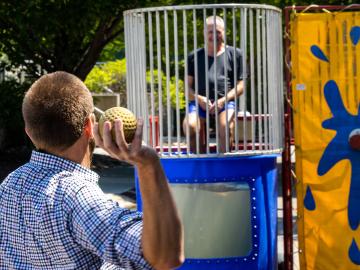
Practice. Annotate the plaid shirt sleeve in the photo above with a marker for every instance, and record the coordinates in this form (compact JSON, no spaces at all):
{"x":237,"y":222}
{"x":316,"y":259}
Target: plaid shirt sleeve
{"x":109,"y":231}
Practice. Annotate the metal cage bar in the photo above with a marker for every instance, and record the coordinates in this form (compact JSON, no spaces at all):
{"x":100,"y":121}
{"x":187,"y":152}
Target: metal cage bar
{"x":206,"y":84}
{"x":151,"y":62}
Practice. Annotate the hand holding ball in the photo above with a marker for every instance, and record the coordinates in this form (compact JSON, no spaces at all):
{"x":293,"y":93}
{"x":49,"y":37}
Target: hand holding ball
{"x":127,"y":117}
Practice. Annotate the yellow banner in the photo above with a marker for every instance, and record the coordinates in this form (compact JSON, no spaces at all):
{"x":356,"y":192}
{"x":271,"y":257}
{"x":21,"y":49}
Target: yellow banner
{"x":325,"y":65}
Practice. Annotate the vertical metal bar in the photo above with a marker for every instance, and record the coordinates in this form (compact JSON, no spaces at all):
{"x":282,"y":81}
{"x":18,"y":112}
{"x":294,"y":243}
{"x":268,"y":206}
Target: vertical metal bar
{"x":177,"y":81}
{"x":268,"y":75}
{"x":226,"y":87}
{"x":276,"y":66}
{"x":244,"y":50}
{"x":133,"y":47}
{"x":168,"y":104}
{"x":206,"y":81}
{"x":270,"y":63}
{"x":134,"y":67}
{"x":158,"y":41}
{"x":151,"y":52}
{"x":144,"y":112}
{"x":236,"y":135}
{"x":281,"y":85}
{"x":196,"y":78}
{"x":129,"y":59}
{"x":259,"y":77}
{"x":274,"y":90}
{"x":271,"y":74}
{"x":186,"y":83}
{"x":127,"y":56}
{"x":252,"y":80}
{"x":215,"y":84}
{"x":264,"y":40}
{"x":137,"y":67}
{"x":286,"y":159}
{"x":135,"y":81}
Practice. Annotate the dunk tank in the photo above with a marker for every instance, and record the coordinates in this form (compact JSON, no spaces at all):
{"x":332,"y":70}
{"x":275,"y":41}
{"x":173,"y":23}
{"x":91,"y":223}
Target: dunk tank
{"x":227,"y":199}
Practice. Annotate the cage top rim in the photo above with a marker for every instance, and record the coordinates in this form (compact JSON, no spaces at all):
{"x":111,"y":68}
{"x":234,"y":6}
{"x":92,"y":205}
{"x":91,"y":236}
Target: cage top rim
{"x":247,"y":153}
{"x":202,"y":6}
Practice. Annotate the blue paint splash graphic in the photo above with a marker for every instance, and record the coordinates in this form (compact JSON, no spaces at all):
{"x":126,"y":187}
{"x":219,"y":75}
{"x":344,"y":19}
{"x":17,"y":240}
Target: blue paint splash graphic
{"x":317,"y":52}
{"x":309,"y":201}
{"x":355,"y":34}
{"x":354,"y":253}
{"x":338,"y":149}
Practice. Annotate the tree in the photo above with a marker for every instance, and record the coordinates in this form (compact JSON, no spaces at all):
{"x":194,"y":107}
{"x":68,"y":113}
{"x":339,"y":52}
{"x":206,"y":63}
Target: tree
{"x":64,"y":35}
{"x":39,"y":36}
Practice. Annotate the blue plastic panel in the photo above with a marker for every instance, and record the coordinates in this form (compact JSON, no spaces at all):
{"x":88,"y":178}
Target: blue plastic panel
{"x":259,"y":173}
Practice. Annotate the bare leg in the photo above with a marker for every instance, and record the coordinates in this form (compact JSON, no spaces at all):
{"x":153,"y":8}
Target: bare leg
{"x":195,"y":124}
{"x":222,"y":129}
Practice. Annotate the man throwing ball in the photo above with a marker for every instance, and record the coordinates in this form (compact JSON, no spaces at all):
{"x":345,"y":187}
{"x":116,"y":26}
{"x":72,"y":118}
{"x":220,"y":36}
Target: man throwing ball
{"x":53,"y":213}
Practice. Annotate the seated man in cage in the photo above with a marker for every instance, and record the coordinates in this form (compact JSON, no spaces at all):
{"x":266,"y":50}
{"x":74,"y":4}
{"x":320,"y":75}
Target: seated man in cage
{"x":225,"y":81}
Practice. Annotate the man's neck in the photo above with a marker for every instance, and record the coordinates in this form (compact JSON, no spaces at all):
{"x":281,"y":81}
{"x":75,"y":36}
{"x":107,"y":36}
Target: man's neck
{"x":79,"y":153}
{"x":219,"y":49}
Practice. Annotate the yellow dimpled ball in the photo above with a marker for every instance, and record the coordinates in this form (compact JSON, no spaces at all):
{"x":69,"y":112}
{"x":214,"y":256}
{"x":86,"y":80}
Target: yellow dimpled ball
{"x":127,"y":117}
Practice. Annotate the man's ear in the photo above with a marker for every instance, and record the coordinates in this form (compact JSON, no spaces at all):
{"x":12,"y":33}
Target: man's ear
{"x":28,"y":134}
{"x":31,"y":139}
{"x":88,"y":129}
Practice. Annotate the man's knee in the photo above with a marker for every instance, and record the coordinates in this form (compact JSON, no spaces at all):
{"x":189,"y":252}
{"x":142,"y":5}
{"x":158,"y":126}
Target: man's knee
{"x":190,"y":123}
{"x":224,"y":124}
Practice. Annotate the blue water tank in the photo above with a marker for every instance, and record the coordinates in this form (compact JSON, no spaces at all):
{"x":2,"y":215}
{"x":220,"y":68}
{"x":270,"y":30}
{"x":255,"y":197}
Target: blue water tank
{"x":228,"y":206}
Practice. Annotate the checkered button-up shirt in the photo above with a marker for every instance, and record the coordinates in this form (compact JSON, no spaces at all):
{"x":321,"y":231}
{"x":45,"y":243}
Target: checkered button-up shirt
{"x":53,"y":215}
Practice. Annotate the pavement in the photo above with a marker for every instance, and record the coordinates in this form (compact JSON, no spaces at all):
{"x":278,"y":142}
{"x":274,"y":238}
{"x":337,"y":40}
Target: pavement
{"x":117,"y":180}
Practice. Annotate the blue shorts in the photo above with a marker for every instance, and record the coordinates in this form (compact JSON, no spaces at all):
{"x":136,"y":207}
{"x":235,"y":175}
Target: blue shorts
{"x":202,"y":113}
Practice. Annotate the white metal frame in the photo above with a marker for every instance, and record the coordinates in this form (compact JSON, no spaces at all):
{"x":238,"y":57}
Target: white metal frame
{"x":151,"y":44}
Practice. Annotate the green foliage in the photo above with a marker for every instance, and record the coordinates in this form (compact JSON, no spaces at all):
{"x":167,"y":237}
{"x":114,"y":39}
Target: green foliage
{"x":67,"y":35}
{"x":114,"y":50}
{"x":172,"y":89}
{"x":111,"y":74}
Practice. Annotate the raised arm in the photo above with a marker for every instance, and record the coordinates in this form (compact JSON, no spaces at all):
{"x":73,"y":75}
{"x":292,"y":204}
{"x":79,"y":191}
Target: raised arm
{"x":162,"y":233}
{"x":162,"y":237}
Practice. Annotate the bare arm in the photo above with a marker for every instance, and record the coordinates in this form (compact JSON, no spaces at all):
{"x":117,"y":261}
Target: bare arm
{"x":236,"y":91}
{"x":191,"y":90}
{"x":162,"y":235}
{"x":162,"y":238}
{"x":203,"y":102}
{"x":231,"y":95}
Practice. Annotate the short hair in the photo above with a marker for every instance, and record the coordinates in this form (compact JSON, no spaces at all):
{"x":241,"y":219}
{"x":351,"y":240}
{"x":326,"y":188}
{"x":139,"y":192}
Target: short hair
{"x":215,"y":19}
{"x":55,"y":110}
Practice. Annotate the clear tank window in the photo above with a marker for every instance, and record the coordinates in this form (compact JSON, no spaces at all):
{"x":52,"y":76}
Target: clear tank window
{"x":216,"y":218}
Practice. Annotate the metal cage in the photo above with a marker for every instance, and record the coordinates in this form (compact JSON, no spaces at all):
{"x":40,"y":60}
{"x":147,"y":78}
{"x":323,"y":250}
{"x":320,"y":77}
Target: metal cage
{"x":158,"y":43}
